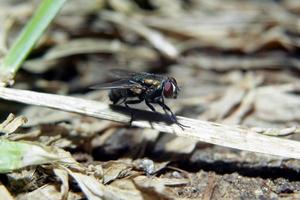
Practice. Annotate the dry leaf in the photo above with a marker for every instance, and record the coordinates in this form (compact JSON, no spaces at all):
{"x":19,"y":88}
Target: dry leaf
{"x":94,"y":190}
{"x":4,"y":193}
{"x":115,"y":170}
{"x":12,"y":123}
{"x":156,"y":188}
{"x":47,"y":192}
{"x":64,"y":178}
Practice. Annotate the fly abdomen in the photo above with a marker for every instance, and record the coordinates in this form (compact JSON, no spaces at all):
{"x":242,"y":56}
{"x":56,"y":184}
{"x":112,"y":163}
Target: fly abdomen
{"x":114,"y":95}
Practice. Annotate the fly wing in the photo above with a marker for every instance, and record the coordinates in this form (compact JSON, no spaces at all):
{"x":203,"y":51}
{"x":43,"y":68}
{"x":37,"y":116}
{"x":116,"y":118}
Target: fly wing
{"x":124,"y":73}
{"x":120,"y":84}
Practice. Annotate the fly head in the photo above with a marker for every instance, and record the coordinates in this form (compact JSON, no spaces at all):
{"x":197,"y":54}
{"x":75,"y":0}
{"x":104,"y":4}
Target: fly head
{"x":170,"y":88}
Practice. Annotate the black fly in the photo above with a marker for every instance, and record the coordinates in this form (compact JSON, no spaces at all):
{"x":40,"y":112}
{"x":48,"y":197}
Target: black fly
{"x":133,"y":88}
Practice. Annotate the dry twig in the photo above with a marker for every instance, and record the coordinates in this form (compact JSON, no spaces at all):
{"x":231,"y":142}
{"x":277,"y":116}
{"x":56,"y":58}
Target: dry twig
{"x":228,"y":136}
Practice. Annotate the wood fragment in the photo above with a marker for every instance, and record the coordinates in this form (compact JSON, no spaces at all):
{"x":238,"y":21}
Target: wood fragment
{"x":211,"y":184}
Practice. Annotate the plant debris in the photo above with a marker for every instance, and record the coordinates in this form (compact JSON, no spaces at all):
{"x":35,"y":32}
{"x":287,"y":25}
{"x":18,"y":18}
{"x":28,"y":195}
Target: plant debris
{"x":237,"y":65}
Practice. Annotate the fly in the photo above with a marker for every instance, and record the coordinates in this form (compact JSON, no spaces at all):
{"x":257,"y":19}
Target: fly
{"x":134,"y":88}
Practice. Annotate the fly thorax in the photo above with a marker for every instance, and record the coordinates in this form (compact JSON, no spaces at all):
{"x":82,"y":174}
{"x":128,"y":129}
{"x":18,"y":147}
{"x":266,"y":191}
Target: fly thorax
{"x":136,"y":90}
{"x":153,"y":82}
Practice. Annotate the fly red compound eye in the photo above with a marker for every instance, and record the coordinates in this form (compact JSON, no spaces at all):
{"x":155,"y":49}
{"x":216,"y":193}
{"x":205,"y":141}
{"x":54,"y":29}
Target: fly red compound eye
{"x":168,"y":89}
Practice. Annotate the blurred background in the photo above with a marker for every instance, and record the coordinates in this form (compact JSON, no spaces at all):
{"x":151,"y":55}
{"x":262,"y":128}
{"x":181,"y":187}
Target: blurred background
{"x":237,"y":63}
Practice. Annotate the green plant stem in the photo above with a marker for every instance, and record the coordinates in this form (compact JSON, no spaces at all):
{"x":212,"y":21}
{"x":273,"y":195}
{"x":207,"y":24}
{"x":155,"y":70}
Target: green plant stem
{"x":29,"y":36}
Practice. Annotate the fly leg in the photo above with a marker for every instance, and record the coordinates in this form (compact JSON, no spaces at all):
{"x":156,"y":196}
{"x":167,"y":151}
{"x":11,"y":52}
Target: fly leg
{"x":132,"y":102}
{"x":160,"y":101}
{"x":123,"y":101}
{"x":150,"y":99}
{"x":127,"y":106}
{"x":149,"y":105}
{"x":166,"y":109}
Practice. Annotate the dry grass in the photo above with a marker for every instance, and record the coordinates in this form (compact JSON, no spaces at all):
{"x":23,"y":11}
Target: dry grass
{"x":214,"y":133}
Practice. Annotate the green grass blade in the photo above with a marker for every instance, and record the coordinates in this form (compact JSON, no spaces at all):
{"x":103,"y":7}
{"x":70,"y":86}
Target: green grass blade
{"x":28,"y":37}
